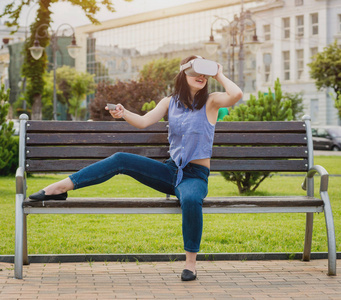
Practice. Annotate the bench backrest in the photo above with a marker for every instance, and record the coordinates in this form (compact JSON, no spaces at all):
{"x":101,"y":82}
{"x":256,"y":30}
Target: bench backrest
{"x":65,"y":146}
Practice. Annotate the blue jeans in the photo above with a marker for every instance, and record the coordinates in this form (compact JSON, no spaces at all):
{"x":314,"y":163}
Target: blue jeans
{"x":162,"y":177}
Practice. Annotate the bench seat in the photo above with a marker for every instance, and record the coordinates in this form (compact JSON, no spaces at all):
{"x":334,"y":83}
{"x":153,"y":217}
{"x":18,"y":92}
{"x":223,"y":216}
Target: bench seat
{"x":171,"y":205}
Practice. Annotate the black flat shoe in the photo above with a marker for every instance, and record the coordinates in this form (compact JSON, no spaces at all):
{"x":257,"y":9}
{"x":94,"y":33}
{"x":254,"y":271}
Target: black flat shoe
{"x":188,"y":275}
{"x":40,"y":196}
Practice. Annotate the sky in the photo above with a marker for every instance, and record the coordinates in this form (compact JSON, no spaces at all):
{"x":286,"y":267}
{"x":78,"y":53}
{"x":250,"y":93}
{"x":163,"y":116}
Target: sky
{"x":66,"y":13}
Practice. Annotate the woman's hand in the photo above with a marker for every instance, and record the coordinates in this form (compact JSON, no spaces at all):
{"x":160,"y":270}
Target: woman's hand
{"x":219,"y":73}
{"x":118,"y":113}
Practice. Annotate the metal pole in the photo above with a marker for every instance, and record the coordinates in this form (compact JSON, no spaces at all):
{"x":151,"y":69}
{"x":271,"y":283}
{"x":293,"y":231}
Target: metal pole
{"x":54,"y":48}
{"x":233,"y":64}
{"x":241,"y":49}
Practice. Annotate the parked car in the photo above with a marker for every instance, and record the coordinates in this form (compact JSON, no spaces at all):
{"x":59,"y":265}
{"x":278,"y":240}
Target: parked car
{"x":327,"y":138}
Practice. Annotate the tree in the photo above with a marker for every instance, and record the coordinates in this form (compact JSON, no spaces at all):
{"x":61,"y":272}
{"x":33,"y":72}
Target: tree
{"x":6,"y":130}
{"x":266,"y":108}
{"x":33,"y":69}
{"x":325,"y":68}
{"x":162,"y":70}
{"x":82,"y":85}
{"x":72,"y":85}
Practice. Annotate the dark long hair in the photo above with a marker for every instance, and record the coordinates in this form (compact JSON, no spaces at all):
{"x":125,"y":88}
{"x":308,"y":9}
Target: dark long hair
{"x":182,"y":90}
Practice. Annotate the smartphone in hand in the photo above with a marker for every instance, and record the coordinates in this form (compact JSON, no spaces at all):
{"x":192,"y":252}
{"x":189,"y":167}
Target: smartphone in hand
{"x":111,"y":106}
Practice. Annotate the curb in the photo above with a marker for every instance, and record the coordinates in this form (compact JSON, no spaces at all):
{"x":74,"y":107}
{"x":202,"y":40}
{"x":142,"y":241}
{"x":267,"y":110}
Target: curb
{"x":141,"y":257}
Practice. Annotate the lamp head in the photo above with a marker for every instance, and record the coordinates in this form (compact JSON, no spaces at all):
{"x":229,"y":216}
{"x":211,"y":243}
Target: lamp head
{"x":73,"y":49}
{"x":36,"y":51}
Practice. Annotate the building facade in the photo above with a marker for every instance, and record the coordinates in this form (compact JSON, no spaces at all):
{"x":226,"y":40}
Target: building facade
{"x":291,"y":31}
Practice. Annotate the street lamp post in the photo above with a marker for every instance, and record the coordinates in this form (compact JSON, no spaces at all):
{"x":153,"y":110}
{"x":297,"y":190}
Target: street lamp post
{"x":236,"y":30}
{"x":37,"y":51}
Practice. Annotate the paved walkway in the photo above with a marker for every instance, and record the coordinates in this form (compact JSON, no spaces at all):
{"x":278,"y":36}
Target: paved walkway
{"x":160,"y":280}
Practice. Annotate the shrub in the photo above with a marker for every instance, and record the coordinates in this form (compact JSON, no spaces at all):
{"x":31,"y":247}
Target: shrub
{"x":7,"y":143}
{"x":132,"y":95}
{"x":270,"y":107}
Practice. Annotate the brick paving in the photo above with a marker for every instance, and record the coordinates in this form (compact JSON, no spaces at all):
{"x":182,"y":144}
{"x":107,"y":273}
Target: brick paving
{"x":281,"y":279}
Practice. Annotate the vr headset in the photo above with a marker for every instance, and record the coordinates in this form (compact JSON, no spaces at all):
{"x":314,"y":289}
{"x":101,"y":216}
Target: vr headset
{"x":200,"y":66}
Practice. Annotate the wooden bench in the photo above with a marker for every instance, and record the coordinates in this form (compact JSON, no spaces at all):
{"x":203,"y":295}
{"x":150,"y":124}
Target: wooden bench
{"x":51,"y":147}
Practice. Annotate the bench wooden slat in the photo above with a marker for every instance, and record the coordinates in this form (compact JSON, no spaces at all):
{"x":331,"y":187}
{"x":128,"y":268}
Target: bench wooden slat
{"x":259,"y":165}
{"x":294,"y":201}
{"x":122,"y":126}
{"x":94,"y":151}
{"x":67,"y":165}
{"x":161,"y":152}
{"x":97,"y":138}
{"x":88,"y":127}
{"x":161,"y":138}
{"x":259,"y":139}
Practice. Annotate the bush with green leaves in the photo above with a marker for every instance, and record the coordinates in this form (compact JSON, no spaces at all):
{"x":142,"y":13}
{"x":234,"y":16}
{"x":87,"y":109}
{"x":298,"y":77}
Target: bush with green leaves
{"x":8,"y":145}
{"x":270,"y":107}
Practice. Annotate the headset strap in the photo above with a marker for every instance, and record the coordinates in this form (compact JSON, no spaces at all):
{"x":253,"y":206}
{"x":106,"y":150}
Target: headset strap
{"x":188,"y":64}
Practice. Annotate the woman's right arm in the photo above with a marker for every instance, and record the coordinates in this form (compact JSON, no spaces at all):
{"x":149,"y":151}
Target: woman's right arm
{"x":146,"y":120}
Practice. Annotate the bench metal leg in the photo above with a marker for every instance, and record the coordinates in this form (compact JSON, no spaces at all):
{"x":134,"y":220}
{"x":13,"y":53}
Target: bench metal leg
{"x":25,"y":254}
{"x":308,"y":236}
{"x":19,"y":231}
{"x":330,"y":234}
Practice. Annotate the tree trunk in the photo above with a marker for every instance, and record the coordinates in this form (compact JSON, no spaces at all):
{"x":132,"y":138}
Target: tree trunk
{"x":36,"y":107}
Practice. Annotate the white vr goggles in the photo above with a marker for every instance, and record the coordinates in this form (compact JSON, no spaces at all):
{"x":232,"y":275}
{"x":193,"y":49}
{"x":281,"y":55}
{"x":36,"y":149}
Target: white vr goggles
{"x":200,"y":66}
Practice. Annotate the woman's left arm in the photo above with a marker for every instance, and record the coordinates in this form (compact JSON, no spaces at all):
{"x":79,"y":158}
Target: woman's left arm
{"x":232,"y":92}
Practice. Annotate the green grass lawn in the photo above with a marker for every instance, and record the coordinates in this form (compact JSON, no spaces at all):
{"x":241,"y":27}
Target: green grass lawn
{"x":59,"y":234}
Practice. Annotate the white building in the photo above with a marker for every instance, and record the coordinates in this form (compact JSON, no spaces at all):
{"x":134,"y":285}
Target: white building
{"x":292,"y":31}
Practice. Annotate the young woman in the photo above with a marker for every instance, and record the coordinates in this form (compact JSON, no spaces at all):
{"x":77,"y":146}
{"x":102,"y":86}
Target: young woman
{"x":192,"y":115}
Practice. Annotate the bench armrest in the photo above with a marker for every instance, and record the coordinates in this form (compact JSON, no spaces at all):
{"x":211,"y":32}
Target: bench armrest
{"x":20,"y":181}
{"x":324,"y":177}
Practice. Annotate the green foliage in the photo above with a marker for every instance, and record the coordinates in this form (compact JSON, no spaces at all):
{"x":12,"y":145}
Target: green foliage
{"x":325,"y":69}
{"x":297,"y":106}
{"x":162,"y":70}
{"x":13,"y":162}
{"x":132,"y":95}
{"x":265,"y":108}
{"x":7,"y":143}
{"x":148,"y":106}
{"x":72,"y":87}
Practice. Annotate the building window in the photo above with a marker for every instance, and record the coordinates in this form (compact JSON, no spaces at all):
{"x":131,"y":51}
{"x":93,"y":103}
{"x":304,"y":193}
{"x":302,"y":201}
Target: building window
{"x":286,"y":65}
{"x":286,"y":28}
{"x":313,"y":51}
{"x":314,"y":24}
{"x":267,"y":32}
{"x":300,"y":26}
{"x":300,"y":63}
{"x":298,"y":2}
{"x":267,"y":66}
